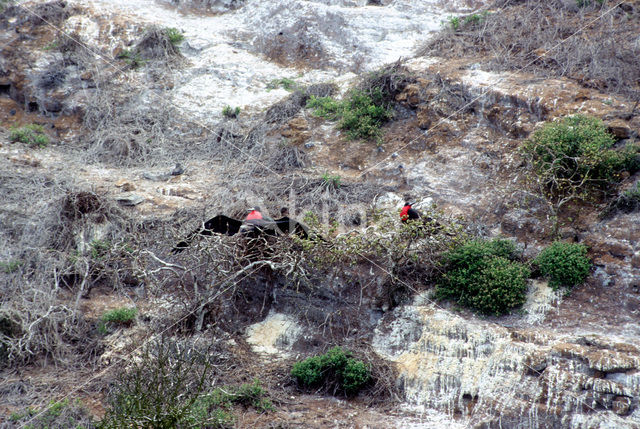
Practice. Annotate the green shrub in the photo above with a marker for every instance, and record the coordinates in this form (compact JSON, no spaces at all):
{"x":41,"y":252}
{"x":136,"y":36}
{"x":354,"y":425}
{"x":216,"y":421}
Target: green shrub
{"x":175,"y":36}
{"x":457,"y":22}
{"x":565,"y":264}
{"x":31,"y":134}
{"x":230,"y":112}
{"x":336,"y":370}
{"x":574,"y":156}
{"x":325,"y":107}
{"x":454,"y":21}
{"x":484,"y":276}
{"x":119,"y":316}
{"x":361,"y":114}
{"x":364,"y":114}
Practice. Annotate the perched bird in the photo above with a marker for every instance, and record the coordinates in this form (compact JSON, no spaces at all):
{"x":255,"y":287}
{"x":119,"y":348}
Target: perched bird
{"x":254,"y":225}
{"x":291,"y":226}
{"x":409,"y":213}
{"x":220,"y":224}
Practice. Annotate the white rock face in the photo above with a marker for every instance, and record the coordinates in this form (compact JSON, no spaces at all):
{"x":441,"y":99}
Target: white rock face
{"x":522,"y":378}
{"x":274,"y":335}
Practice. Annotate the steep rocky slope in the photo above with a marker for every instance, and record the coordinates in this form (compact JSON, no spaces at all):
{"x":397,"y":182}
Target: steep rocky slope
{"x":120,"y":113}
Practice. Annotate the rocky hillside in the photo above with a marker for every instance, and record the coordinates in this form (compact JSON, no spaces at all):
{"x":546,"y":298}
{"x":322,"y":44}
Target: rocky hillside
{"x":125,"y":125}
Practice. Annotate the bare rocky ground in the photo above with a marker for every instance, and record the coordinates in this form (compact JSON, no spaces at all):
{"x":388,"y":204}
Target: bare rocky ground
{"x":569,"y":361}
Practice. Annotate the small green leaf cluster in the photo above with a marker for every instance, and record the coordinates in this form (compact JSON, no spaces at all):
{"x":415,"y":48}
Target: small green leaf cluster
{"x":575,"y":154}
{"x":361,"y":114}
{"x":230,"y":112}
{"x":335,"y":370}
{"x":99,"y":248}
{"x":331,"y":181}
{"x":31,"y":134}
{"x":132,"y":58}
{"x":9,"y":267}
{"x":564,"y":264}
{"x":484,"y":276}
{"x":174,"y":35}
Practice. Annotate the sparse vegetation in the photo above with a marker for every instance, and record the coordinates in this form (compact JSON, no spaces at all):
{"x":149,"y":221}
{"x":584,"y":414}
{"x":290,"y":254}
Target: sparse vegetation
{"x":169,"y":387}
{"x":285,"y":82}
{"x":363,"y":111}
{"x":335,"y":371}
{"x":458,"y":22}
{"x":58,"y":414}
{"x":484,"y":276}
{"x":230,"y":112}
{"x":627,"y":202}
{"x":132,"y":58}
{"x":5,"y":3}
{"x":32,"y":134}
{"x":564,"y":264}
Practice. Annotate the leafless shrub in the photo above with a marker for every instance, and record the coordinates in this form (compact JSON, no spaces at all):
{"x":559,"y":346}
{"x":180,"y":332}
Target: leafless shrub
{"x":156,"y":45}
{"x":298,"y":44}
{"x":389,"y":80}
{"x":551,"y":40}
{"x":57,"y":238}
{"x":53,"y":12}
{"x":128,"y":126}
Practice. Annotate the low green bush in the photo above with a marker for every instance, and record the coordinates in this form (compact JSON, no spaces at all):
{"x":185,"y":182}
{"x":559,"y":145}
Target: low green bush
{"x":360,"y":114}
{"x":484,"y":276}
{"x":574,"y":156}
{"x":330,"y":181}
{"x":31,"y":134}
{"x":335,"y":371}
{"x":564,"y":264}
{"x":119,"y":316}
